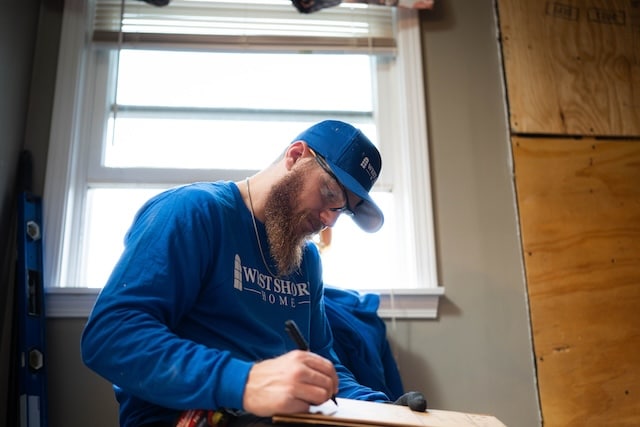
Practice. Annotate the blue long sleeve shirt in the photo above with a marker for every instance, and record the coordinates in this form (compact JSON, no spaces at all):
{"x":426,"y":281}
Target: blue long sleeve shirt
{"x":190,"y":307}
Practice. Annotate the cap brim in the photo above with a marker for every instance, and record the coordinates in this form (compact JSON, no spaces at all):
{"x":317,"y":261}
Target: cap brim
{"x":367,"y":214}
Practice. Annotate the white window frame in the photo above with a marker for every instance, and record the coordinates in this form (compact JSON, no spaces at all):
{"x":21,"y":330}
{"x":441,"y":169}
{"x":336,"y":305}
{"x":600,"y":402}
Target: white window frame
{"x":65,"y":178}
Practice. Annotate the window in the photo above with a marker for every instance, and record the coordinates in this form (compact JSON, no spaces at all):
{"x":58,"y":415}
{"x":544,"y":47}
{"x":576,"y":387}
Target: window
{"x":147,"y":105}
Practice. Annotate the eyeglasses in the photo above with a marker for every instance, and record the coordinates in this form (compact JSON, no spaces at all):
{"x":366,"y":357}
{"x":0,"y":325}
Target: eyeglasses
{"x":346,"y":209}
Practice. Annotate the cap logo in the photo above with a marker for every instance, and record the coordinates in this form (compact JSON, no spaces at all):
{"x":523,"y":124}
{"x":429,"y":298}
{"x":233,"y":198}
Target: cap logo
{"x":366,"y":165}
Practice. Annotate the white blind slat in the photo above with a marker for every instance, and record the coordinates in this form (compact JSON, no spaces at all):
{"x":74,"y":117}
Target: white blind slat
{"x":260,"y":25}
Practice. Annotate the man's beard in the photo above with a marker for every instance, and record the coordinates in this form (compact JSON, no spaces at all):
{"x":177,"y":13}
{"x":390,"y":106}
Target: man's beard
{"x":283,"y":221}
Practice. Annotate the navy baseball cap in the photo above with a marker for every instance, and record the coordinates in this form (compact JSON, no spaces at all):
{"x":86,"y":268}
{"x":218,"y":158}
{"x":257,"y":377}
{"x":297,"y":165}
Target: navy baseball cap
{"x":354,"y":160}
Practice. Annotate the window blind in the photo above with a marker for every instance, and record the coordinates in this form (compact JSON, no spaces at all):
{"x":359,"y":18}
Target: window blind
{"x":254,"y":25}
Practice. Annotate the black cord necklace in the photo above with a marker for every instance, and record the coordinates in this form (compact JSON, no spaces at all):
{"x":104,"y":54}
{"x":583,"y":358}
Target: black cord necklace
{"x":255,"y":229}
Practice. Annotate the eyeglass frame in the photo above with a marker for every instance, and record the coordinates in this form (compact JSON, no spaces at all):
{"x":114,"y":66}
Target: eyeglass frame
{"x":346,"y":209}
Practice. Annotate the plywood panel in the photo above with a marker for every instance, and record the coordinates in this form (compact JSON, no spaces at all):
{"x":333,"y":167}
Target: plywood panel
{"x":573,"y":66}
{"x":579,"y":202}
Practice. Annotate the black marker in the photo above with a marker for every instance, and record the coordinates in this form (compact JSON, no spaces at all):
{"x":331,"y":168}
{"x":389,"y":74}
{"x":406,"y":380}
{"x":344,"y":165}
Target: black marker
{"x":294,"y":332}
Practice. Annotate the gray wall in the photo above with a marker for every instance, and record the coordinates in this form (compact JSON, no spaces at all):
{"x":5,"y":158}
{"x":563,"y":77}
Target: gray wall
{"x":18,"y":21}
{"x":477,"y":356}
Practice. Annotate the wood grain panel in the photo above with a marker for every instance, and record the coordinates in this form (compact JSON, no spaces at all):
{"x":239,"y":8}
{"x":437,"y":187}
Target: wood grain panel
{"x":579,"y":202}
{"x":573,"y":66}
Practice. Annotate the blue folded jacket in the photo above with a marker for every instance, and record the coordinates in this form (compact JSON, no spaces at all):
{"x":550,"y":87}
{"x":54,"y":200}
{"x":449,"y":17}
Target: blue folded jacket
{"x":360,"y":339}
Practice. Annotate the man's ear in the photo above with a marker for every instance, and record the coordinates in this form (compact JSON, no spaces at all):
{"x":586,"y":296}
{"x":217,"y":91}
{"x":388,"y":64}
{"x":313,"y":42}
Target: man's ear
{"x":296,"y":151}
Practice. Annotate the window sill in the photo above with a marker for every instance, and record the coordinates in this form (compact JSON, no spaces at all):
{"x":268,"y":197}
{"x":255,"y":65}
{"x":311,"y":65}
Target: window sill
{"x":409,"y":303}
{"x":398,"y":304}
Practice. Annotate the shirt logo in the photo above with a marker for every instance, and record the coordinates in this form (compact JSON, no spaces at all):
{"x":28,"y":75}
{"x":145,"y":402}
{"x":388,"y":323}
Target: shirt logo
{"x":272,"y":290}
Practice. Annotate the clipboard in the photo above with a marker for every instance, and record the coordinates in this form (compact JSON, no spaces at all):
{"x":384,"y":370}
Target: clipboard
{"x":359,"y":413}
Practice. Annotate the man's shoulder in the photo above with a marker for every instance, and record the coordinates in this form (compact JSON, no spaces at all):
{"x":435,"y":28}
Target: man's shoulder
{"x":207,"y":187}
{"x":189,"y":199}
{"x":204,"y":192}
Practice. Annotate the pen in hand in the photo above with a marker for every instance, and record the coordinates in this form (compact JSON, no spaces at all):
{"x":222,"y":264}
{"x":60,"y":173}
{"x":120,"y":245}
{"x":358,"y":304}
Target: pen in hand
{"x":294,"y":332}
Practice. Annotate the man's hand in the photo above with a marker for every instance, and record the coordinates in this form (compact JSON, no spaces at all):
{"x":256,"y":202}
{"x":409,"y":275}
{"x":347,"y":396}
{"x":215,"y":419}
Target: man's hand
{"x":289,"y":383}
{"x":414,"y":400}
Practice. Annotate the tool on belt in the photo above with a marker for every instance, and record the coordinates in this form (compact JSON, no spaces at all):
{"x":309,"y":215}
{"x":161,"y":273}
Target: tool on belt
{"x":204,"y":418}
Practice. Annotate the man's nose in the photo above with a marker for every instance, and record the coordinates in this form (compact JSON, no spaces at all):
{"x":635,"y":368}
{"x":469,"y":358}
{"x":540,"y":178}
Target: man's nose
{"x":329,"y":217}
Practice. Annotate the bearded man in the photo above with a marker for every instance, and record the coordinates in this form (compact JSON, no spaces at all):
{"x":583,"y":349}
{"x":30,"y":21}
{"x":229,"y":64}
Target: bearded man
{"x":193,"y":314}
